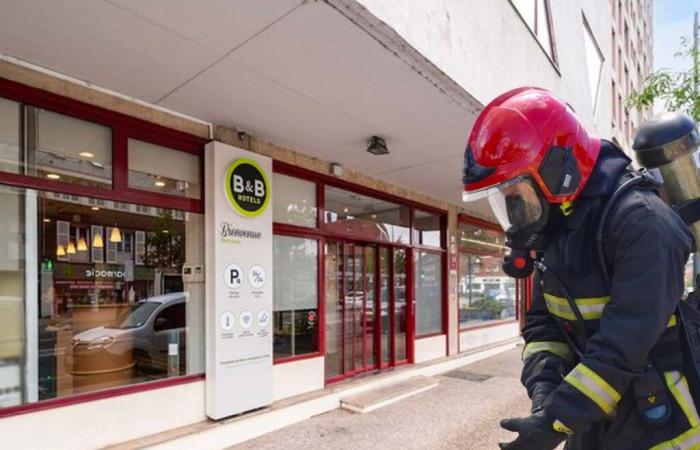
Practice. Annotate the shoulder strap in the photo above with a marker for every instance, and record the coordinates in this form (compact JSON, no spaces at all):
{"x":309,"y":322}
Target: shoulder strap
{"x":640,"y":178}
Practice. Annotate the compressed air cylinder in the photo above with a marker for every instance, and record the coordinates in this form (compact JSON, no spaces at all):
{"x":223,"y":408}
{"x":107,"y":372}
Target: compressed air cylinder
{"x":670,"y":142}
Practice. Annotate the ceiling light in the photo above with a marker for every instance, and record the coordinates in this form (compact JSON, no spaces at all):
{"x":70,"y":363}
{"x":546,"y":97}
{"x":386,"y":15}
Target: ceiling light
{"x":60,"y":251}
{"x":374,"y":216}
{"x":159,"y":183}
{"x":345,"y":210}
{"x":46,"y":220}
{"x":71,"y":248}
{"x":95,"y":208}
{"x":53,"y":176}
{"x":82,"y":245}
{"x":97,"y":241}
{"x":166,"y":231}
{"x":377,"y":146}
{"x":86,"y":155}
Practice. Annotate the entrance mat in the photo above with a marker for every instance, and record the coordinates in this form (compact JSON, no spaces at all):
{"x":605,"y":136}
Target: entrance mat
{"x":386,"y":395}
{"x":467,"y":376}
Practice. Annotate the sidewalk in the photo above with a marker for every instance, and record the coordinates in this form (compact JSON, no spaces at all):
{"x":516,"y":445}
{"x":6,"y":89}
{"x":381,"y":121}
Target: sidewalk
{"x":461,"y":413}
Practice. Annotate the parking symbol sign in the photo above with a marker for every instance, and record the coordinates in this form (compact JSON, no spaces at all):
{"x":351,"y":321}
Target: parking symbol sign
{"x":233,"y":276}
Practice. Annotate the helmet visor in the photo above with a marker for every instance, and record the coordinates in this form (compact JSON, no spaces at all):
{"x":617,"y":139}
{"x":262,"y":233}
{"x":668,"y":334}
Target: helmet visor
{"x":515,"y":203}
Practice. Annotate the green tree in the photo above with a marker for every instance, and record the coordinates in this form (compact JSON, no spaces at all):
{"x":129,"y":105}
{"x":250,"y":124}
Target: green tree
{"x":164,"y":245}
{"x":675,"y":90}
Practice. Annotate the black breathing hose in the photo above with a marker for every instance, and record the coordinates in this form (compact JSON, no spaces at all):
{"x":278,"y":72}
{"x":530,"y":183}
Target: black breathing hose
{"x":580,"y":324}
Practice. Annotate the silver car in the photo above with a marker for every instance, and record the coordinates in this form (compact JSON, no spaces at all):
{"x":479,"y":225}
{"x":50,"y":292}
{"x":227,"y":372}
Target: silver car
{"x":139,"y":338}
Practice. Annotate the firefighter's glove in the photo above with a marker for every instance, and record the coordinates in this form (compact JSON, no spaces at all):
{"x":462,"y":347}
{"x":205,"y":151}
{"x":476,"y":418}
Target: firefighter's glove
{"x":540,"y":392}
{"x":536,"y":432}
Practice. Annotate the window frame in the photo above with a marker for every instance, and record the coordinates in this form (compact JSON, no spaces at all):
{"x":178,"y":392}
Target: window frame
{"x":320,"y":284}
{"x":322,"y":234}
{"x":123,"y":127}
{"x":522,"y":296}
{"x":554,"y":57}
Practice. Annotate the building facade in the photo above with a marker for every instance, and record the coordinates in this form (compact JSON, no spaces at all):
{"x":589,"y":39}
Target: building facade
{"x":105,"y":113}
{"x":632,"y":63}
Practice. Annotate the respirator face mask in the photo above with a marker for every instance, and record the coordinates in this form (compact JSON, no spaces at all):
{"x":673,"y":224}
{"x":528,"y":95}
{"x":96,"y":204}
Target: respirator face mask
{"x":523,"y":213}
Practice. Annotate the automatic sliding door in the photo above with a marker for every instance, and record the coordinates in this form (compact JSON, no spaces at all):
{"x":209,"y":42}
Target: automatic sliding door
{"x":400,"y":310}
{"x":385,"y":309}
{"x":334,"y":310}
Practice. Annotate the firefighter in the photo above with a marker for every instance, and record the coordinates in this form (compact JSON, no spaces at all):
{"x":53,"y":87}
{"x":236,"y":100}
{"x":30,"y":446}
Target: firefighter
{"x":602,"y":358}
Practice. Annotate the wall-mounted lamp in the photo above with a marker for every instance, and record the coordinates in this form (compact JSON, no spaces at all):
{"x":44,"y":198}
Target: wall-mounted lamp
{"x":377,"y":146}
{"x":336,"y":169}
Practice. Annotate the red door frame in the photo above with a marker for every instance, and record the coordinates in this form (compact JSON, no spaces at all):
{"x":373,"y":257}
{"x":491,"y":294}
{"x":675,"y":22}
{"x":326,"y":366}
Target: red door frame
{"x":377,"y":332}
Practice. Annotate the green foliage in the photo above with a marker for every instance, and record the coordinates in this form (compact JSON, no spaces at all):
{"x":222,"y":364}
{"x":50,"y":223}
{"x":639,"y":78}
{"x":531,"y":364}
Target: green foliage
{"x":164,"y":247}
{"x":493,"y":306}
{"x":675,"y":90}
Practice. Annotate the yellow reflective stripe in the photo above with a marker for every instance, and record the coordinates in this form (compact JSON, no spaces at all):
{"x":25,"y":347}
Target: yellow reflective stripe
{"x":560,"y":427}
{"x":591,"y":308}
{"x":690,"y":440}
{"x":560,"y":349}
{"x":678,"y":385}
{"x":594,"y":387}
{"x":672,"y":321}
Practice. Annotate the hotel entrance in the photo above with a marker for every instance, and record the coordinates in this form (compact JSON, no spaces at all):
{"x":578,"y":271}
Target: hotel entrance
{"x":366,"y":308}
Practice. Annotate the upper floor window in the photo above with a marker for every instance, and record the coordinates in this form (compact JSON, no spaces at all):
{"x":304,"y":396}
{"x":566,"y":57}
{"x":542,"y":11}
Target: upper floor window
{"x":181,"y":176}
{"x":594,"y":63}
{"x":44,"y":144}
{"x":537,"y":15}
{"x":295,"y":201}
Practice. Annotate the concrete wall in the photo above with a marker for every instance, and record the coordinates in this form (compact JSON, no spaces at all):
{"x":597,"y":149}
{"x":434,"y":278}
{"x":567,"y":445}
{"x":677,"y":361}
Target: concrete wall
{"x":471,"y":339}
{"x":475,"y":42}
{"x":430,"y":348}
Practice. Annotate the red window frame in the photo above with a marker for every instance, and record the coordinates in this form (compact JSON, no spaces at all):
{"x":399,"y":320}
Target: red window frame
{"x":521,"y":295}
{"x":123,"y":127}
{"x":321,"y":233}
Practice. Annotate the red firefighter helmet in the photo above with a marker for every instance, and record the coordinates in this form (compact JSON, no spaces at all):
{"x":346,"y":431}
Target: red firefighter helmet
{"x":527,"y":144}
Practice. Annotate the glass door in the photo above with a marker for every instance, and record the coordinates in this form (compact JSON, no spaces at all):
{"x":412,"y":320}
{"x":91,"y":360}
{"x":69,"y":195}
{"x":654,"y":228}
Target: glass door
{"x":366,"y":308}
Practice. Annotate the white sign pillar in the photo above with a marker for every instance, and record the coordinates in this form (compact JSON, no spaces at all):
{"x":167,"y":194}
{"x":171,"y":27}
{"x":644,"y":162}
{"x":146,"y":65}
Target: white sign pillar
{"x":238,"y":280}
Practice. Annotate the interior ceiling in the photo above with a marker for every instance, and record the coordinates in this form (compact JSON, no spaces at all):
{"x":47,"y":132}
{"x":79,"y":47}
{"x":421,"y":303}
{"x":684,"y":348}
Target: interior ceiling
{"x":296,"y":73}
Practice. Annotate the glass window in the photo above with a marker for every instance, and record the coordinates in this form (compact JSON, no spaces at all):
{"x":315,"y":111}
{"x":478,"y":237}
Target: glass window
{"x":295,"y":201}
{"x":486,"y":293}
{"x":110,"y":308}
{"x":181,"y":176}
{"x":594,"y":62}
{"x":10,"y":150}
{"x":475,"y":239}
{"x":68,"y":149}
{"x":295,"y":293}
{"x":367,"y":218}
{"x":536,"y":14}
{"x":428,"y":276}
{"x":427,"y":229}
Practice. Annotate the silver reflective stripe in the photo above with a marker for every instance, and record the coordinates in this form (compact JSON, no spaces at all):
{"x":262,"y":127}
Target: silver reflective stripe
{"x":591,"y":307}
{"x":560,"y":349}
{"x":594,"y":387}
{"x":678,"y":385}
{"x":690,"y":440}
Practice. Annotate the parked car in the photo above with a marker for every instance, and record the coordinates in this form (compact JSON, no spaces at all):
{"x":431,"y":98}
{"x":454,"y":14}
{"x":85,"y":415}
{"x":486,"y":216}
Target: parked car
{"x":138,"y":338}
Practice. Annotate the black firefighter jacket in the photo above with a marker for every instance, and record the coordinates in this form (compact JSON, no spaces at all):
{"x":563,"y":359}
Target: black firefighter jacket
{"x":630,"y":323}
